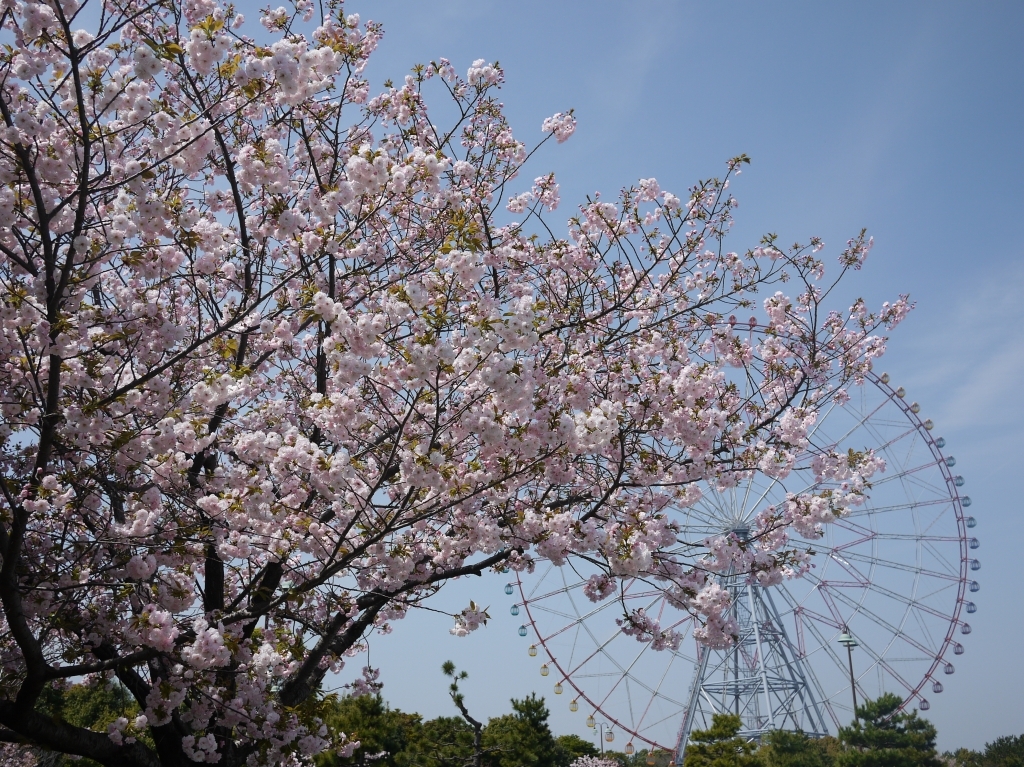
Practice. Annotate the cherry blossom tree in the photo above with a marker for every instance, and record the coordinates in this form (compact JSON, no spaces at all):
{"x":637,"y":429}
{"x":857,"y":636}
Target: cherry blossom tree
{"x":279,"y":358}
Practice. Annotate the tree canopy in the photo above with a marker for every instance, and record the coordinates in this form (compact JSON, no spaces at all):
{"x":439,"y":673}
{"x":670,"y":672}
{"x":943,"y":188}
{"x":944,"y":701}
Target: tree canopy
{"x":523,"y":738}
{"x":282,"y":354}
{"x":1007,"y":751}
{"x":783,"y":748}
{"x":384,"y":734}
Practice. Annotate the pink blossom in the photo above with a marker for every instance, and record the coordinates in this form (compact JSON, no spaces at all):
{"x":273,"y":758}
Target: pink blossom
{"x":561,"y":125}
{"x":599,"y":587}
{"x":469,"y":620}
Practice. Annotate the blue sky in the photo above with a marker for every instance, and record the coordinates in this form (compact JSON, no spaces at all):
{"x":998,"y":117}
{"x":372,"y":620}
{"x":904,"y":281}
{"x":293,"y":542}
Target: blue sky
{"x":905,"y":118}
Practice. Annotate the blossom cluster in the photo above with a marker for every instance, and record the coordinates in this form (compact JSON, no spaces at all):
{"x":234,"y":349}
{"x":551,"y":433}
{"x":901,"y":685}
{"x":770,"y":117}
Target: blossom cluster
{"x":469,"y":619}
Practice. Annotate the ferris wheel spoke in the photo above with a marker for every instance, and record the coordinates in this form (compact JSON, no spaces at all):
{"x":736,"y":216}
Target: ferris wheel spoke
{"x":625,"y":675}
{"x":819,"y":618}
{"x":704,"y":515}
{"x":867,"y":510}
{"x":833,"y":406}
{"x":572,"y":651}
{"x":925,"y":628}
{"x":930,"y":523}
{"x":878,"y":659}
{"x":670,"y":717}
{"x":863,"y":419}
{"x":560,"y":614}
{"x":923,"y":475}
{"x":907,"y":474}
{"x":825,"y":644}
{"x":878,"y":561}
{"x":905,"y":567}
{"x":629,"y":704}
{"x":717,"y":519}
{"x":555,"y":592}
{"x":915,"y":537}
{"x":914,"y":604}
{"x":897,"y":631}
{"x":960,"y":566}
{"x":646,"y":594}
{"x":745,"y":503}
{"x":600,"y":647}
{"x":881,"y":661}
{"x":888,"y":445}
{"x":540,"y":580}
{"x":657,"y":692}
{"x":577,"y":671}
{"x":815,"y":630}
{"x":859,"y":579}
{"x":756,"y":506}
{"x":822,"y":588}
{"x":844,"y":523}
{"x":867,"y":534}
{"x":576,"y":615}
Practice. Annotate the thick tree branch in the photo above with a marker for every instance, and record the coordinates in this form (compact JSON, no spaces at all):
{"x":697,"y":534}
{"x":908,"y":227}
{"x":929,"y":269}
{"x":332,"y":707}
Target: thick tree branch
{"x":58,"y":735}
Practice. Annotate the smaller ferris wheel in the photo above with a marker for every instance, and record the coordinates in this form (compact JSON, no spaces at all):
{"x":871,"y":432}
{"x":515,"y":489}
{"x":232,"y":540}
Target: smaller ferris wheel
{"x":883,"y":609}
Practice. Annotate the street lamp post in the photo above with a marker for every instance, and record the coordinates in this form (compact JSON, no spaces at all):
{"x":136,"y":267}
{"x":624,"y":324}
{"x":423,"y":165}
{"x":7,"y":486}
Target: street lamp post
{"x":603,"y":736}
{"x":846,"y":639}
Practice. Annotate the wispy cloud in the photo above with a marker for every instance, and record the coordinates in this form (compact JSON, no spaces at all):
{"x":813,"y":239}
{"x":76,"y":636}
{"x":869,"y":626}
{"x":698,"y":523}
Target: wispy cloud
{"x":967,"y":366}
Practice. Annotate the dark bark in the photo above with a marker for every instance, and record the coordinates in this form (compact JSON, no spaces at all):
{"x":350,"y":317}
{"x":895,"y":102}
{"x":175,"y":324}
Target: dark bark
{"x":56,"y":735}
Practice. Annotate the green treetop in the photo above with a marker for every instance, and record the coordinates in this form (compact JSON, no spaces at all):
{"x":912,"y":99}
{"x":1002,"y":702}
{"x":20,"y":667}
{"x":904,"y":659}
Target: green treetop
{"x":522,"y":738}
{"x":782,"y":748}
{"x":1007,"y":751}
{"x":721,"y":746}
{"x":384,"y":733}
{"x":884,"y":736}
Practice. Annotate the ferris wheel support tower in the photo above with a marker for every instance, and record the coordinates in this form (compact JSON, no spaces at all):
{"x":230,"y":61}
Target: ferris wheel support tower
{"x":761,"y":677}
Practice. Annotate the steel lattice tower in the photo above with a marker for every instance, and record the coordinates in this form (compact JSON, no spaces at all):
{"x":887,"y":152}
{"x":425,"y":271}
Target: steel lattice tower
{"x":761,"y":678}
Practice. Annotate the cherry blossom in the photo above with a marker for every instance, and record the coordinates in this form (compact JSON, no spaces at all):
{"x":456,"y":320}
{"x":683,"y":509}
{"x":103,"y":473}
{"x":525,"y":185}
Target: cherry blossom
{"x":469,"y":620}
{"x":593,"y":761}
{"x":282,"y":353}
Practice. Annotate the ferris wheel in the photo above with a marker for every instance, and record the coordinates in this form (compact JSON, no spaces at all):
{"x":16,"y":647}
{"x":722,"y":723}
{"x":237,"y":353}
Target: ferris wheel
{"x":881,"y":610}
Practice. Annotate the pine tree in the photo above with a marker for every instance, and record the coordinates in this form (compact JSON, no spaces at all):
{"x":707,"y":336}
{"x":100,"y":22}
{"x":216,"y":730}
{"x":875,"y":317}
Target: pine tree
{"x":382,"y":731}
{"x":523,"y":738}
{"x":884,"y":736}
{"x":782,"y":748}
{"x":721,"y":745}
